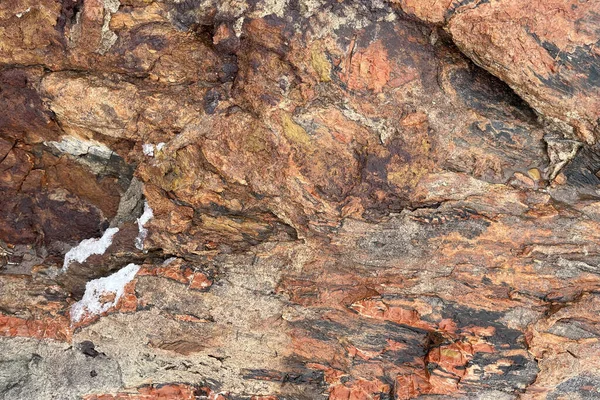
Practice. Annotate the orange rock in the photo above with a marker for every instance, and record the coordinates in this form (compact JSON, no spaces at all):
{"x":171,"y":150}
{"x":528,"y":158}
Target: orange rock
{"x":158,"y":392}
{"x":349,"y":176}
{"x":412,"y":386}
{"x":378,"y":309}
{"x":546,"y":31}
{"x":367,"y":69}
{"x":174,"y":270}
{"x":427,"y":10}
{"x":358,"y":390}
{"x":50,"y":328}
{"x":200,"y":281}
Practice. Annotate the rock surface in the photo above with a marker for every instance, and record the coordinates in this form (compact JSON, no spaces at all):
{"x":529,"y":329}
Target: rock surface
{"x":299,"y":199}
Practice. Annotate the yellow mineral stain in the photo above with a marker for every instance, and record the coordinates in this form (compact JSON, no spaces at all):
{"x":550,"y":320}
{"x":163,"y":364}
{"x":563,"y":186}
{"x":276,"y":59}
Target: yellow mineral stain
{"x":534,"y":174}
{"x":320,"y":64}
{"x":406,"y":175}
{"x":294,"y":132}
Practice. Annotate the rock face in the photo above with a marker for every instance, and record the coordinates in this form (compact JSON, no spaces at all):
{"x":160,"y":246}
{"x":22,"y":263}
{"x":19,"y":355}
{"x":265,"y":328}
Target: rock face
{"x":546,"y":50}
{"x":299,"y":199}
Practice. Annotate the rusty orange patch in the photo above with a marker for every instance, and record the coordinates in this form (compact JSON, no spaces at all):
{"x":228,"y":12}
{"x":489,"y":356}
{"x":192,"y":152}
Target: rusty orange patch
{"x":179,"y":273}
{"x":368,"y":69}
{"x":179,"y":392}
{"x":171,"y":271}
{"x":200,"y":281}
{"x":359,"y":390}
{"x":49,"y":328}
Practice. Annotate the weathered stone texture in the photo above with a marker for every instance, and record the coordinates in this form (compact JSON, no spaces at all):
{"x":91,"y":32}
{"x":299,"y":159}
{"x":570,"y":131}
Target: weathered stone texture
{"x":315,"y":199}
{"x":545,"y":50}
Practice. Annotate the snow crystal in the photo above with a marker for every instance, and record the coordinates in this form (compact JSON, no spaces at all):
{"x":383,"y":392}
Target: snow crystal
{"x":142,"y":221}
{"x":97,"y":291}
{"x":88,"y":247}
{"x":148,"y":150}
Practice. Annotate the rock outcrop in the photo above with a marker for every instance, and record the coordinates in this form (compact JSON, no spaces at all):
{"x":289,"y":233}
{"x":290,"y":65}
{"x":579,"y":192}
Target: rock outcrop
{"x":299,"y":199}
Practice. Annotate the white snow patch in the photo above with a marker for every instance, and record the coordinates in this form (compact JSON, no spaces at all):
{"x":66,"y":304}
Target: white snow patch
{"x":142,"y":221}
{"x":93,"y":302}
{"x":88,"y":247}
{"x":148,"y":149}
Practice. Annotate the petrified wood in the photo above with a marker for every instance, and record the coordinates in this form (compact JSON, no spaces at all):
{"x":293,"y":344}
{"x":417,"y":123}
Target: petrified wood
{"x":299,"y":199}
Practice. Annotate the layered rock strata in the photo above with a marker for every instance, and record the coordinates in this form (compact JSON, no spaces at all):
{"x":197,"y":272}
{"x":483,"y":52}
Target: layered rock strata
{"x":299,"y":199}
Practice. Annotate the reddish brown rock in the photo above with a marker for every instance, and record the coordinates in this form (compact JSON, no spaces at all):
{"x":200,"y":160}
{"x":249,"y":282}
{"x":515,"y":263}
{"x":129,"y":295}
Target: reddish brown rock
{"x":57,"y":329}
{"x":182,"y":392}
{"x":555,"y":66}
{"x":298,"y":200}
{"x":367,"y":70}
